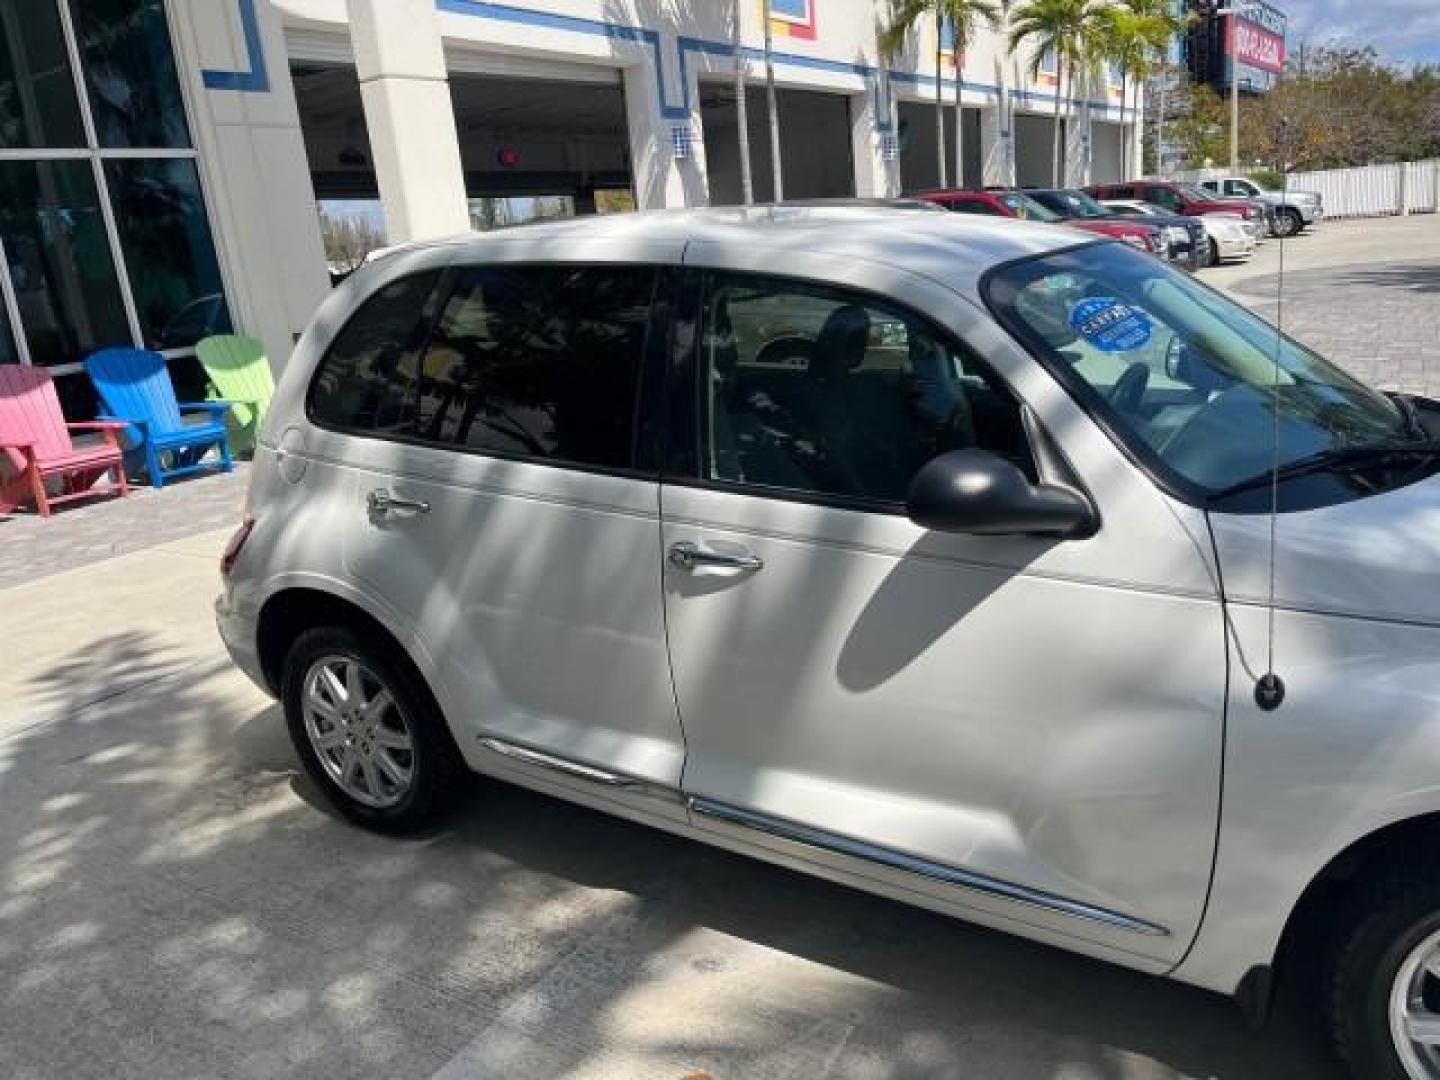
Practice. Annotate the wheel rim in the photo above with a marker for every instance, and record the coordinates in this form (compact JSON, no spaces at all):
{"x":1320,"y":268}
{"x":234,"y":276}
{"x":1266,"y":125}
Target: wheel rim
{"x":1415,"y":1010}
{"x":1285,"y":224}
{"x":358,"y":732}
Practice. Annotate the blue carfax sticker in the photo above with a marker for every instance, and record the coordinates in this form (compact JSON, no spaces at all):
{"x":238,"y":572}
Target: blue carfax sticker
{"x":1109,"y":325}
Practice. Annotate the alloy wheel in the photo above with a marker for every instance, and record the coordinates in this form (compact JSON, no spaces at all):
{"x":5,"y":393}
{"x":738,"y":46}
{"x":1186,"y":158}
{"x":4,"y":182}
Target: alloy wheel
{"x":1415,"y":1010}
{"x":358,"y":732}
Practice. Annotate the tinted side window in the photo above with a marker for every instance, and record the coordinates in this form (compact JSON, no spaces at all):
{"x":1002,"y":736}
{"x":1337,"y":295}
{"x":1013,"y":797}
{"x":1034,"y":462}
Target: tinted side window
{"x":974,"y":208}
{"x":539,"y":362}
{"x":823,"y":392}
{"x":1161,"y":196}
{"x":366,"y":380}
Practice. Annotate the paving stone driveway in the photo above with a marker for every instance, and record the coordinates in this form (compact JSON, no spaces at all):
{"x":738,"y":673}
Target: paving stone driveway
{"x":1380,"y":321}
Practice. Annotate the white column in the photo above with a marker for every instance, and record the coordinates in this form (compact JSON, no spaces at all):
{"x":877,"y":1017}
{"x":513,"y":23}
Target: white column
{"x":257,"y":178}
{"x":874,"y":176}
{"x":1136,"y":135}
{"x":411,"y":120}
{"x":663,"y":180}
{"x":997,"y":146}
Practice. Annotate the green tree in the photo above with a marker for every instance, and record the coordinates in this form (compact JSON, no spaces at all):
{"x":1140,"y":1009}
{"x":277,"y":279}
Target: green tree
{"x":1135,"y":36}
{"x":1056,"y":27}
{"x":963,"y":17}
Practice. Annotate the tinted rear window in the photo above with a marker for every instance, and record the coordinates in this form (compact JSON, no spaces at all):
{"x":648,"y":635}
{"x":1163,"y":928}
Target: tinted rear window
{"x":539,"y":362}
{"x":366,"y":381}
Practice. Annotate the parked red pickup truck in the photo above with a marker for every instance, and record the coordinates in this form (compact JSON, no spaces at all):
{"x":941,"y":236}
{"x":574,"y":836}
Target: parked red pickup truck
{"x":1006,"y":202}
{"x":1188,"y":199}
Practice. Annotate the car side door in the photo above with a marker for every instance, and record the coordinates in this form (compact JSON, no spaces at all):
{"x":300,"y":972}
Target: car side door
{"x":508,"y":513}
{"x":1023,"y":730}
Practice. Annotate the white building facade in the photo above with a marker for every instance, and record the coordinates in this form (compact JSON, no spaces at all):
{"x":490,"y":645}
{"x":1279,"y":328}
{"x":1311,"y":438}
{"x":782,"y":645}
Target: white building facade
{"x":186,"y":144}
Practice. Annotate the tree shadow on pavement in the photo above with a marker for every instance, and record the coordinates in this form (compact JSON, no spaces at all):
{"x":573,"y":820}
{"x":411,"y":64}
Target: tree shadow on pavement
{"x":170,"y":907}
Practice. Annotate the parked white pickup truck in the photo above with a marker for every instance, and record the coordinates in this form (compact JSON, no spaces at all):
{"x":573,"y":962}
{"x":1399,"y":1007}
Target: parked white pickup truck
{"x":1291,"y":210}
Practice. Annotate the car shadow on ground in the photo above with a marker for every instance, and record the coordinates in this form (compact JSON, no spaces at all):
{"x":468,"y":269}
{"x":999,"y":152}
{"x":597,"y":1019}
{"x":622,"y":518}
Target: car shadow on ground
{"x":175,"y":899}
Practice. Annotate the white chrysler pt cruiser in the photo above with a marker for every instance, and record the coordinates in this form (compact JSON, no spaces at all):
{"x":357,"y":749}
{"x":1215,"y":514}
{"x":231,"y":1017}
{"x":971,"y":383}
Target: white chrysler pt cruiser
{"x":930,"y":554}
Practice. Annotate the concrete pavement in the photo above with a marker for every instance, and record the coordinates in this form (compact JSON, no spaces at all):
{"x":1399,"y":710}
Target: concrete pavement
{"x":1364,"y":294}
{"x":176,"y":901}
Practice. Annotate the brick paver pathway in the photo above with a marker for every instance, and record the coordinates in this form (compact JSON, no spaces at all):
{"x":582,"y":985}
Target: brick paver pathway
{"x":1379,"y":321}
{"x":32,"y":547}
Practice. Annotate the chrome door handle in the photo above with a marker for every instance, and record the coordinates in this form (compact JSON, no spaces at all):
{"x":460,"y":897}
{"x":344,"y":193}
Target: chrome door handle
{"x":688,"y":556}
{"x":382,"y":502}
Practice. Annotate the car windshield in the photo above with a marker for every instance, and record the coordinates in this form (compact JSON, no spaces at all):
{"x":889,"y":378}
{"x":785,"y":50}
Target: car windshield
{"x":1181,"y":374}
{"x":1075,"y":204}
{"x":1023,"y":206}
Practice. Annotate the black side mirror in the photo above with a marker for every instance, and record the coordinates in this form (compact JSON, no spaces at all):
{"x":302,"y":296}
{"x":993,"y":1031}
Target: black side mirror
{"x":973,"y":491}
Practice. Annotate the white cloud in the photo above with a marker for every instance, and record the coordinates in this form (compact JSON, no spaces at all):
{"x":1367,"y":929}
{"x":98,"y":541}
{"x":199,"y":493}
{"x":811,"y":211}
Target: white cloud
{"x":1401,"y":30}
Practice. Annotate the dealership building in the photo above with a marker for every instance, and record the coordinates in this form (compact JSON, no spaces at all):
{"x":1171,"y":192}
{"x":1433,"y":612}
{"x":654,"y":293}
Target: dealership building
{"x":163,"y":162}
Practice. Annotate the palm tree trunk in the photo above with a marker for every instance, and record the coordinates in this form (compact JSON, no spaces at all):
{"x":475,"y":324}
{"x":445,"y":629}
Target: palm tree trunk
{"x":778,"y":193}
{"x":1124,"y":140}
{"x":1160,"y":119}
{"x":1055,"y":146}
{"x":939,"y":101}
{"x":959,"y":115}
{"x":742,"y":115}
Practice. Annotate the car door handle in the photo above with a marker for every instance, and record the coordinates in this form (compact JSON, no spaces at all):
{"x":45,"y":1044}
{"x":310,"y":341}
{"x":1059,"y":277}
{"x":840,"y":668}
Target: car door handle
{"x":689,"y":556}
{"x":381,"y":502}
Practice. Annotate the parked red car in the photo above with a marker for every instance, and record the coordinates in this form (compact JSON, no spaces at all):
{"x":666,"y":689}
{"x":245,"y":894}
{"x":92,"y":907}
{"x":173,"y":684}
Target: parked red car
{"x":1007,"y":202}
{"x":1188,"y":199}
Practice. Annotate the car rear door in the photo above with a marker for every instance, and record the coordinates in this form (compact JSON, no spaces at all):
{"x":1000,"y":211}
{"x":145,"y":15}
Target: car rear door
{"x":1024,"y":730}
{"x":509,"y":515}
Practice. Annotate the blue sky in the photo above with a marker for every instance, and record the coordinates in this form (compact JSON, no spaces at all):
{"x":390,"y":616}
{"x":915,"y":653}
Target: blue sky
{"x":1403,"y":30}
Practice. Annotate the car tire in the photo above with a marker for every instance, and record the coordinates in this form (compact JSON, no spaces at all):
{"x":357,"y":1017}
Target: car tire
{"x":1212,"y":252}
{"x":377,"y":747}
{"x":1287,"y":222}
{"x":1390,"y":930}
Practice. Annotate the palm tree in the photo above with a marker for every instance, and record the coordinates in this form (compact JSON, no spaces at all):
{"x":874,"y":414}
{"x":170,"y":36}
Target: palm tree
{"x":1134,"y":36}
{"x":1164,"y":22}
{"x":963,"y":15}
{"x":742,"y":113}
{"x":1058,"y":28}
{"x":905,"y":16}
{"x":778,"y":188}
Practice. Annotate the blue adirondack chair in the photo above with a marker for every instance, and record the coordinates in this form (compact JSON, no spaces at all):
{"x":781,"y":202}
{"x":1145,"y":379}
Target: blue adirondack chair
{"x":134,"y":386}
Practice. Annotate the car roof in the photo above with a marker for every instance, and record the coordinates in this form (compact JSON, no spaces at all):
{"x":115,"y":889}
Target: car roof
{"x":954,"y":249}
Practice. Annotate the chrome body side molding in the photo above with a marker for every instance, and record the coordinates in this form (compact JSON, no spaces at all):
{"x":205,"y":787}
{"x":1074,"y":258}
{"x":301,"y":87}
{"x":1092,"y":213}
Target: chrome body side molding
{"x":965,"y":879}
{"x":578,"y":771}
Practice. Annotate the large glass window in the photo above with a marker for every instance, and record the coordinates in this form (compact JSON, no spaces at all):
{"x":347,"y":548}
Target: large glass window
{"x":160,"y":216}
{"x":8,"y":355}
{"x":38,"y":106}
{"x":822,"y":392}
{"x":59,"y":258}
{"x":130,"y":72}
{"x":539,"y":362}
{"x":103,"y":218}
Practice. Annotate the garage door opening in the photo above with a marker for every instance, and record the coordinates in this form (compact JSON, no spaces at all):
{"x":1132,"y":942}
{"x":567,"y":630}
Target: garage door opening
{"x":531,"y":148}
{"x":814,"y":144}
{"x":1034,"y":155}
{"x":919,"y":164}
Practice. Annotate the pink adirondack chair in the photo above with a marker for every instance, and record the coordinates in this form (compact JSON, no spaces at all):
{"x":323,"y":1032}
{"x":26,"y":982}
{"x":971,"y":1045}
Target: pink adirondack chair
{"x":35,"y":445}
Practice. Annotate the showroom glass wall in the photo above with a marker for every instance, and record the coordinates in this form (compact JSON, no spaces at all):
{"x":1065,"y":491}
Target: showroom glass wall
{"x":105,"y":233}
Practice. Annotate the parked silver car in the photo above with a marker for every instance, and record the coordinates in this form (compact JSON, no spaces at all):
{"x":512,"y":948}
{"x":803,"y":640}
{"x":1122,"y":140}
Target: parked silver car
{"x":968,"y":601}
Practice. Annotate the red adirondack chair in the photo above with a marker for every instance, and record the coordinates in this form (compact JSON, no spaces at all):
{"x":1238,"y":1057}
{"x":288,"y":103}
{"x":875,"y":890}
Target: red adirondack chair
{"x":35,"y":445}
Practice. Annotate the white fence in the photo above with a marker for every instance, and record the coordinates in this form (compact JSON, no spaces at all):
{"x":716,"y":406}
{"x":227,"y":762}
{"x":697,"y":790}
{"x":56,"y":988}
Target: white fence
{"x":1411,"y":187}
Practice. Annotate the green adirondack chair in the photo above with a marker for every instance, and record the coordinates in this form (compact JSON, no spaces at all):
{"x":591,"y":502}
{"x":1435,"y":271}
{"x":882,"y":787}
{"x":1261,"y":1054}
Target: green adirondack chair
{"x":240,"y":373}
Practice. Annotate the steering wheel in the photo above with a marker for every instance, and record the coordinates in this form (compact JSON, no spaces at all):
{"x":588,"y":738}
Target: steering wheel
{"x":1129,"y":390}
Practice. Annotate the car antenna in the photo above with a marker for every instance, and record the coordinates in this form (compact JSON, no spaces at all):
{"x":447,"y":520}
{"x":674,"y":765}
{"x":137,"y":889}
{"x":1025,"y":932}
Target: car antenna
{"x":1270,"y":688}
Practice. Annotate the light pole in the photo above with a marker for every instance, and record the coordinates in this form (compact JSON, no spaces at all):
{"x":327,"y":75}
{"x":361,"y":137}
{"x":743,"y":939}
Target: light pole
{"x":1231,"y":11}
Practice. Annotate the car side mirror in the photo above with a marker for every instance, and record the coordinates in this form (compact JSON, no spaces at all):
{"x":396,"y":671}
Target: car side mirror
{"x":973,"y":491}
